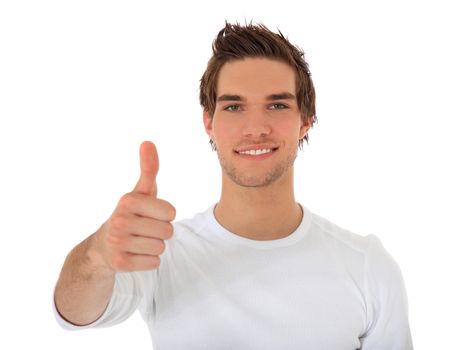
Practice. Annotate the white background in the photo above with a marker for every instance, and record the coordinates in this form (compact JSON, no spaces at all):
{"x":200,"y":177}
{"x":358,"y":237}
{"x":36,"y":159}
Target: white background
{"x":82,"y":83}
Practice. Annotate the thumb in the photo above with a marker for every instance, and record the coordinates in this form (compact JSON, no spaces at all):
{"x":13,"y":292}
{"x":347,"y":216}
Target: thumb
{"x":148,"y":157}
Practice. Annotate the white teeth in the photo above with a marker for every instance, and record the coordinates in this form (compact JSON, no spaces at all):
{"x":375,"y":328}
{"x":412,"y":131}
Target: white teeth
{"x":256,"y":152}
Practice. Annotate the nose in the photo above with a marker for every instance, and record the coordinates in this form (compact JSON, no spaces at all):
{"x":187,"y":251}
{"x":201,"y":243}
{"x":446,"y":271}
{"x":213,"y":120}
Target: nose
{"x":256,"y":124}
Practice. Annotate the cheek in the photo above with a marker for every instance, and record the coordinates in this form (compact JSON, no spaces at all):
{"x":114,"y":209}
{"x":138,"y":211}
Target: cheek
{"x":290,"y":129}
{"x":223,"y":131}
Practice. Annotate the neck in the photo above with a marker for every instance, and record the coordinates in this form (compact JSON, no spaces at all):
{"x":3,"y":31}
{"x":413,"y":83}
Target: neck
{"x":259,"y":213}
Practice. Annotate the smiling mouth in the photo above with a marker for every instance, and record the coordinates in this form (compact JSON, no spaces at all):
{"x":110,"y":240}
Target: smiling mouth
{"x":256,"y":152}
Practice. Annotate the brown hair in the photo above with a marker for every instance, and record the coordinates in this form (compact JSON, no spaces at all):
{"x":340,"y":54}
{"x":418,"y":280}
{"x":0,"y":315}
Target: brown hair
{"x":235,"y":42}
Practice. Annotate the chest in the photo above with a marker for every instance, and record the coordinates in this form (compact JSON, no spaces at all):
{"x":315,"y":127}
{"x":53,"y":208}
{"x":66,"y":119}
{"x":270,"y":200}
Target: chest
{"x":257,"y":301}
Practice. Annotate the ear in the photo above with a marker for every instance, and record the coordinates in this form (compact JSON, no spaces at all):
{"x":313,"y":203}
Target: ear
{"x":305,"y":127}
{"x":208,"y":124}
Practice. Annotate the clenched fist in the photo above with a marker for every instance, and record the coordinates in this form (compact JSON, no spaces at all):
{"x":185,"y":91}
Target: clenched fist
{"x":133,"y":237}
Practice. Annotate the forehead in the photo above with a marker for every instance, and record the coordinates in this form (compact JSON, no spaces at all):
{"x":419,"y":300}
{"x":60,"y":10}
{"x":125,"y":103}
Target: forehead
{"x":256,"y":77}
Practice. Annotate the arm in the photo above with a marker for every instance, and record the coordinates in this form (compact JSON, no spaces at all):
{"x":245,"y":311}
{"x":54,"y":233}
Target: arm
{"x":84,"y":287}
{"x":130,"y":240}
{"x":387,"y":307}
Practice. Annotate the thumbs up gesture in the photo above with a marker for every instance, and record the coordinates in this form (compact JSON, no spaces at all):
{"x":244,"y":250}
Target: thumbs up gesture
{"x":133,"y":237}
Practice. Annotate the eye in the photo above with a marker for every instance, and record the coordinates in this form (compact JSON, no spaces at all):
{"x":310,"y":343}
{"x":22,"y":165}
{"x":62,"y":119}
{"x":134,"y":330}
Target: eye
{"x":232,"y":108}
{"x":278,"y":106}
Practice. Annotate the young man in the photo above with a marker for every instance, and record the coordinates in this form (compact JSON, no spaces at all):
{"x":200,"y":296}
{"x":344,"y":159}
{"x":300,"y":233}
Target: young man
{"x":257,"y":270}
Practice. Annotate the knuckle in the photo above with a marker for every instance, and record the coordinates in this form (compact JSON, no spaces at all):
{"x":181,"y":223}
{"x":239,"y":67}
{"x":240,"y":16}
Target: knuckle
{"x":114,"y":240}
{"x":126,"y":202}
{"x":120,"y":262}
{"x":119,"y":223}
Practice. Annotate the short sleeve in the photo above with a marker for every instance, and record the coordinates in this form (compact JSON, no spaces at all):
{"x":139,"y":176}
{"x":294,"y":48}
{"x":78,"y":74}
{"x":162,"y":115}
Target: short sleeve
{"x":132,"y":290}
{"x":387,"y":307}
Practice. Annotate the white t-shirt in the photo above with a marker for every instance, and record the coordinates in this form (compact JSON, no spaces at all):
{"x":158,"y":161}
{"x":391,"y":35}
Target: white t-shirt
{"x":321,"y":287}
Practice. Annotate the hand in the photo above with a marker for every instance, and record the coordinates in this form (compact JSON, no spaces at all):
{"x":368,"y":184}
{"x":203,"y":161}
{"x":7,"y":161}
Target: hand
{"x":133,"y":237}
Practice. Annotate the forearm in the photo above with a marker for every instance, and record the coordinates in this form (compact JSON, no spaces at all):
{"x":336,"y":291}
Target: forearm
{"x":84,"y":287}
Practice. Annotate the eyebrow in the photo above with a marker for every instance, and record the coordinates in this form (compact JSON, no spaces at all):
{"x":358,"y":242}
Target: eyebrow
{"x":272,"y":97}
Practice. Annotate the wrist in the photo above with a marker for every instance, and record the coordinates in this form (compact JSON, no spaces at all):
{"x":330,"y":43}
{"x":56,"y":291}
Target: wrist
{"x":95,"y":258}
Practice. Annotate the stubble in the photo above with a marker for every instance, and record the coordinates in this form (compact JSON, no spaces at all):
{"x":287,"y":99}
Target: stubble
{"x":240,"y":177}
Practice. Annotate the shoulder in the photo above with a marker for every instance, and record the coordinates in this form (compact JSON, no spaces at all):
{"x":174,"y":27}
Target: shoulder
{"x":378,"y":263}
{"x":341,"y":237}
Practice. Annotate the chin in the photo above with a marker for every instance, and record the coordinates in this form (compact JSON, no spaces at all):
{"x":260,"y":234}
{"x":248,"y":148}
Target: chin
{"x":265,"y":180}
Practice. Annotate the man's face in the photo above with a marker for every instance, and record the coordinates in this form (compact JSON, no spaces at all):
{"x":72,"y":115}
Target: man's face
{"x":256,"y":124}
